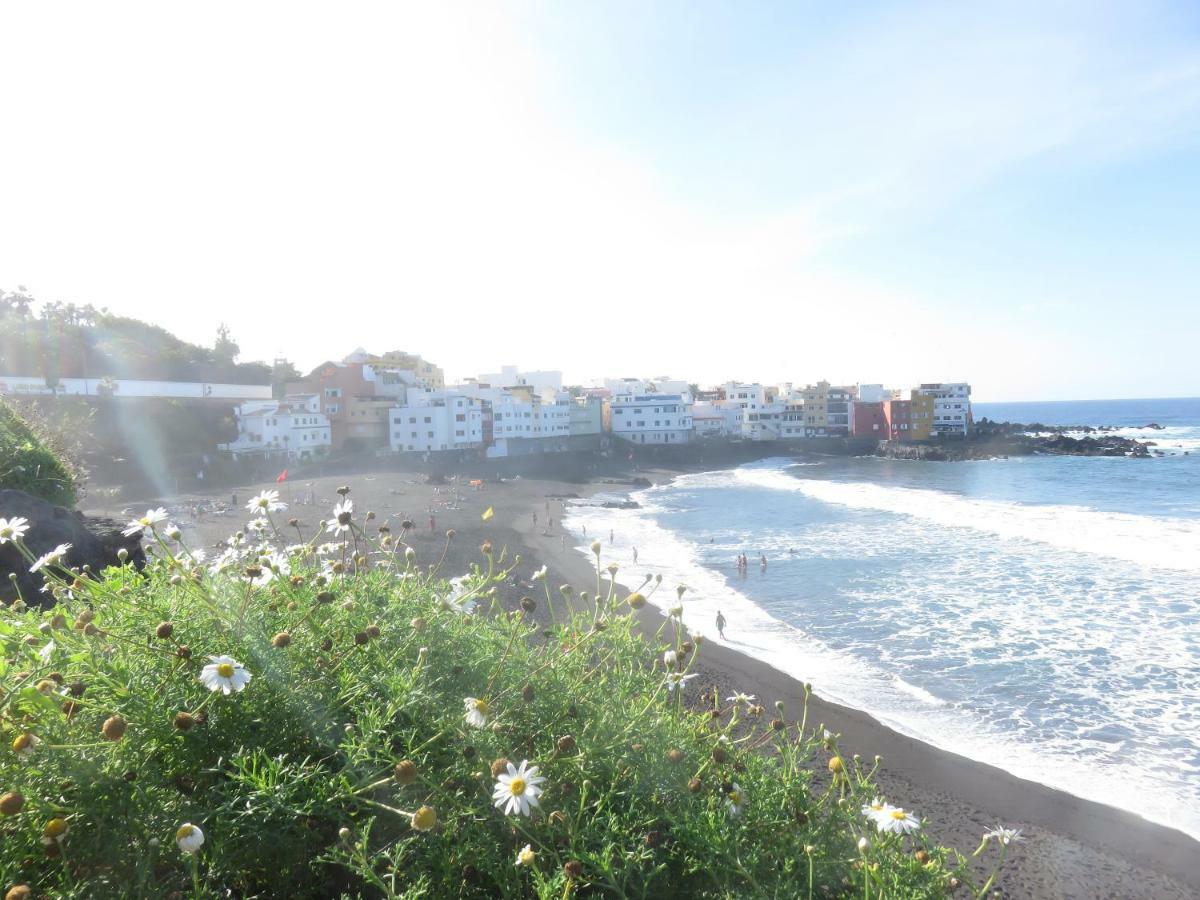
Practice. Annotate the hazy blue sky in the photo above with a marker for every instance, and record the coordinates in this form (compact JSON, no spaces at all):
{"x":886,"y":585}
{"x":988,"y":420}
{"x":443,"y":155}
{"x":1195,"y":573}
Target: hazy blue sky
{"x":1007,"y":193}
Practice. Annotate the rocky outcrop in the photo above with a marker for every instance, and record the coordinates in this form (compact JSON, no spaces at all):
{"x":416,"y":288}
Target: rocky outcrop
{"x":1016,"y":440}
{"x":94,"y":543}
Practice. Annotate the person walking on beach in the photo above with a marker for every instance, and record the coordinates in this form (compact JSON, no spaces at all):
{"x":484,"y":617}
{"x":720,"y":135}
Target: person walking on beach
{"x":762,"y":560}
{"x":534,"y":514}
{"x":432,"y":523}
{"x":610,"y":535}
{"x":721,"y":624}
{"x":635,"y":556}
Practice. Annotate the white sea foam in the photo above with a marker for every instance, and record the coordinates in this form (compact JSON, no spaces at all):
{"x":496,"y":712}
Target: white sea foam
{"x":1001,"y":616}
{"x":1156,"y":541}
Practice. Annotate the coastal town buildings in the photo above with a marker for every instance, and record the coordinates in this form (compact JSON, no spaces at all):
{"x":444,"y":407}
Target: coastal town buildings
{"x":293,"y":428}
{"x":399,"y":401}
{"x":358,"y":392}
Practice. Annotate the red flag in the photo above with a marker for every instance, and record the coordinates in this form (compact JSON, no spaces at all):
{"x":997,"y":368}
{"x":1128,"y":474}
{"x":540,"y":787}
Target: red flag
{"x":282,"y":477}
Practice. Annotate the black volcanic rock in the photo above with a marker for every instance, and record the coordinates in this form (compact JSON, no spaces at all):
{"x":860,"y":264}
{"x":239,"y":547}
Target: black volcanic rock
{"x":94,"y":543}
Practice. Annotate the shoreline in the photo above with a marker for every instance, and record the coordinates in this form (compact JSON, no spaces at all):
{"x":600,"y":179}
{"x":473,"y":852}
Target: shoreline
{"x":1073,"y":848}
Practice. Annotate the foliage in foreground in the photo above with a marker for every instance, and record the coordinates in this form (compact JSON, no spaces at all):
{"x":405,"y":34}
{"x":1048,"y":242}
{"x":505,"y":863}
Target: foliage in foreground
{"x":355,"y":762}
{"x":29,"y":464}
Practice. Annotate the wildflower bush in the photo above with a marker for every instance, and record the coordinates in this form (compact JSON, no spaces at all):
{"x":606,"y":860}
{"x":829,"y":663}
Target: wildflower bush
{"x":30,"y":464}
{"x":333,"y":718}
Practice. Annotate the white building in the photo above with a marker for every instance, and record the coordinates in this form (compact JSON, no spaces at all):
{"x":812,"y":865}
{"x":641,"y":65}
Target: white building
{"x":511,"y":376}
{"x":876,"y":393}
{"x":951,"y":407}
{"x":130,"y":389}
{"x":652,"y":418}
{"x":294,"y":427}
{"x":432,"y":422}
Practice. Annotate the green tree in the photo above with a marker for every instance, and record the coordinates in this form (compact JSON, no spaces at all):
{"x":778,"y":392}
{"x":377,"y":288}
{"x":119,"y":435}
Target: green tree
{"x":225,"y":349}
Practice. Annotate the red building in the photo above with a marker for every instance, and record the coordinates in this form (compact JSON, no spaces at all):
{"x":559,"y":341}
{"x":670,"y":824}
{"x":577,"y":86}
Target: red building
{"x":870,"y":421}
{"x":899,"y":416}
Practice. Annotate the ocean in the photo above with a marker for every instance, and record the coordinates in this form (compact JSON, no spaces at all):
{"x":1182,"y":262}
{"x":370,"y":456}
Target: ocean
{"x":1041,"y":614}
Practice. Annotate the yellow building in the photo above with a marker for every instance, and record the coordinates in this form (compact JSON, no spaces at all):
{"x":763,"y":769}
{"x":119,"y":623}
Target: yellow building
{"x":816,"y":408}
{"x":366,"y":420}
{"x":432,"y":377}
{"x":921,"y":417}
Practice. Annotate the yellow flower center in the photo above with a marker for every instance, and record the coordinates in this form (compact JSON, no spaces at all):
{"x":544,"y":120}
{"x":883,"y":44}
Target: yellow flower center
{"x":481,"y":707}
{"x":185,"y":832}
{"x":55,"y":828}
{"x":424,"y":818}
{"x":735,"y":797}
{"x":526,"y":856}
{"x":517,"y":786}
{"x":899,"y":814}
{"x":22,"y":742}
{"x":225,"y":670}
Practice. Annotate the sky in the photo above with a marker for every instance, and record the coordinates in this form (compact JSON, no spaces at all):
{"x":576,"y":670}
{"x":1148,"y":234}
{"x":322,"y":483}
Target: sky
{"x":1004,"y":193}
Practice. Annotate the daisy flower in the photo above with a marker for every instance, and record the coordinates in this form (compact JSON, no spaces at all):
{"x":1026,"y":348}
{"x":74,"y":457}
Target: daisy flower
{"x":12,"y":529}
{"x":457,"y":601}
{"x":735,"y":800}
{"x":670,"y":657}
{"x":897,"y":821}
{"x":25,"y":744}
{"x":677,"y":680}
{"x":740,"y":698}
{"x":1005,"y":836}
{"x":340,"y":523}
{"x":526,"y":856}
{"x":266,"y":502}
{"x":224,"y":673}
{"x":518,"y":789}
{"x":189,"y":837}
{"x":876,"y":809}
{"x":53,"y":558}
{"x":149,"y":520}
{"x":539,"y":575}
{"x":424,"y":819}
{"x":476,"y":711}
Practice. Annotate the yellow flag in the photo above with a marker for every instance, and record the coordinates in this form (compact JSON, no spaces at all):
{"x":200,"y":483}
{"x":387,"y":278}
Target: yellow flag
{"x":487,"y":514}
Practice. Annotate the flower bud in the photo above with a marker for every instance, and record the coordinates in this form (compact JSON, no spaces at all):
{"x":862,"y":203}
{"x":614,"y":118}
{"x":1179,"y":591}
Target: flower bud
{"x":164,"y":630}
{"x":11,"y":803}
{"x":596,"y":547}
{"x":405,"y":771}
{"x":281,"y":640}
{"x":114,"y":728}
{"x":184,"y":721}
{"x":636,"y":600}
{"x":573,"y":869}
{"x":566,"y":744}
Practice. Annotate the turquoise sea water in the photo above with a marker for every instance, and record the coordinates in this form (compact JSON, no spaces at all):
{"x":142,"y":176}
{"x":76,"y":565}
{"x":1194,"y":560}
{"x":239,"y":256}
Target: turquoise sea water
{"x":1041,"y":613}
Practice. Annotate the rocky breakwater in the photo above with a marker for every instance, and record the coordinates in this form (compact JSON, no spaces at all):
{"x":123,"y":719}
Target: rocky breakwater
{"x":997,"y":444}
{"x":92,"y":545}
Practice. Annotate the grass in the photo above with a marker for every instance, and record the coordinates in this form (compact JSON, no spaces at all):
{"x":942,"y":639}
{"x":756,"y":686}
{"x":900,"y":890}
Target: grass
{"x":28,"y":463}
{"x":321,"y":777}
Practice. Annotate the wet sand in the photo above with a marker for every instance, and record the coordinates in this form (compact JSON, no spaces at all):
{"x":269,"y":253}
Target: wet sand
{"x":1073,"y":849}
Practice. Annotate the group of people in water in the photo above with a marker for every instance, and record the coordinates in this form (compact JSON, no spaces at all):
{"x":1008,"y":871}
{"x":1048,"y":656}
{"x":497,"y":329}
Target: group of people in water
{"x":743,"y":563}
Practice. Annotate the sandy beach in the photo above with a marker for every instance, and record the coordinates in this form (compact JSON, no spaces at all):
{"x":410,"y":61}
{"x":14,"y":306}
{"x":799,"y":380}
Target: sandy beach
{"x":1073,"y":849}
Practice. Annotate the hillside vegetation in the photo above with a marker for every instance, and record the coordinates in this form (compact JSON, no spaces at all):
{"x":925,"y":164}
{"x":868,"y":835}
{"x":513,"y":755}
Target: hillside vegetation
{"x":28,"y":463}
{"x":63,"y":340}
